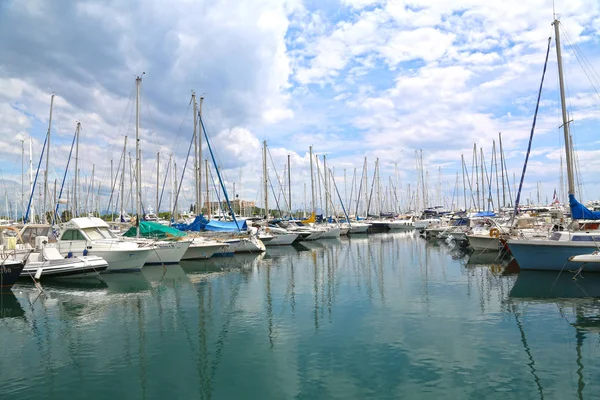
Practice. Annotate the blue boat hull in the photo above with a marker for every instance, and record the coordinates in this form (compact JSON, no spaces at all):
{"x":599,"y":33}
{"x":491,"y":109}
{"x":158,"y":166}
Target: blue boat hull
{"x":546,"y":255}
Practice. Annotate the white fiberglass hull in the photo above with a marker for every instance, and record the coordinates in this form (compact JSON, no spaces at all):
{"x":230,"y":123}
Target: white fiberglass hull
{"x":483,"y":243}
{"x":68,"y":268}
{"x":245,"y":245}
{"x":281,"y":240}
{"x":586,"y":258}
{"x":358,"y":228}
{"x":167,"y":252}
{"x":121,"y":256}
{"x":203,"y":250}
{"x":330,"y":233}
{"x":124,"y":260}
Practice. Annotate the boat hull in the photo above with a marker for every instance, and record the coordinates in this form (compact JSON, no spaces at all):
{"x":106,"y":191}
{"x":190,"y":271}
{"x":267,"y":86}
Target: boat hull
{"x":331,"y":233}
{"x":68,"y":268}
{"x":245,"y":245}
{"x":203,"y":250}
{"x":483,"y":243}
{"x":9,"y":273}
{"x":354,"y":229}
{"x":124,"y":260}
{"x":165,"y":252}
{"x":548,"y":255}
{"x":120,"y":256}
{"x":282,"y":240}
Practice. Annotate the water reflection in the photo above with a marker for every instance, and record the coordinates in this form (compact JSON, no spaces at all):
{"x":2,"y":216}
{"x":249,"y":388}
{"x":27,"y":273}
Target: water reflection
{"x":10,"y":306}
{"x":378,"y":316}
{"x":574,"y":300}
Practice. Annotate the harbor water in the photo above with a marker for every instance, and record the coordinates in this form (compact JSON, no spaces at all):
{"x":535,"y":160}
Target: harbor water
{"x":384,"y":316}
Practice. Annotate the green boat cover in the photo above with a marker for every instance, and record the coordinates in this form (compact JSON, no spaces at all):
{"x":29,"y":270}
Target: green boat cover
{"x":154,"y":230}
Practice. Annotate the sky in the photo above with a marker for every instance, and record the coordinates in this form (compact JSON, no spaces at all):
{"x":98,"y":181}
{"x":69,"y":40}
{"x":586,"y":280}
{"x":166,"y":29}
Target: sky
{"x":353,"y":78}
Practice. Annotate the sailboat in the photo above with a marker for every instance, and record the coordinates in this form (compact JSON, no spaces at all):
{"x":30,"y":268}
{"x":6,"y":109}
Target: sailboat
{"x":554,"y":253}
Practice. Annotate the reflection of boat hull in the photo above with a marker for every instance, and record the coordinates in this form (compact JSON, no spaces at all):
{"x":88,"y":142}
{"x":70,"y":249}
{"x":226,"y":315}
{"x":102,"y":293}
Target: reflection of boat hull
{"x":483,"y":242}
{"x":158,"y":273}
{"x":400,"y":225}
{"x":9,"y":273}
{"x":126,"y":283}
{"x":549,"y":284}
{"x":546,"y":255}
{"x":10,"y":306}
{"x":484,"y":258}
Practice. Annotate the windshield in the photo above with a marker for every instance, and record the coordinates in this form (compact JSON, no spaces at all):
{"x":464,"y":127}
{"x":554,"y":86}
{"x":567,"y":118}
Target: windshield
{"x":107,"y":233}
{"x":99,"y":233}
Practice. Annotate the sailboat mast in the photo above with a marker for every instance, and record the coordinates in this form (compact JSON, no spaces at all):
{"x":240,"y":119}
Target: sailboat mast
{"x":200,"y":157}
{"x":196,"y":161}
{"x":312,"y":180}
{"x":90,"y":208}
{"x":484,"y":200}
{"x":75,"y":188}
{"x":266,"y":180}
{"x":502,"y":169}
{"x":206,"y":172}
{"x":123,"y":178}
{"x":157,"y":179}
{"x":325,"y":185}
{"x":569,"y":160}
{"x":47,"y":156}
{"x":138,"y":172}
{"x":290,"y":185}
{"x":32,"y":213}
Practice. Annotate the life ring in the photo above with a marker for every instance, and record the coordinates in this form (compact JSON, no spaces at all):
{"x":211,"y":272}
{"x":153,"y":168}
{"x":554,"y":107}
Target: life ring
{"x":494,"y":232}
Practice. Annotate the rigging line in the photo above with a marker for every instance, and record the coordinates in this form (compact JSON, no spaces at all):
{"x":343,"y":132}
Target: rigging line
{"x":164,"y":183}
{"x":583,"y":61}
{"x":36,"y":177}
{"x":55,"y":214}
{"x":275,"y":197}
{"x":537,"y":106}
{"x":106,"y":170}
{"x":113,"y":185}
{"x":215,"y":187}
{"x":219,"y":175}
{"x":182,"y":176}
{"x":278,"y":180}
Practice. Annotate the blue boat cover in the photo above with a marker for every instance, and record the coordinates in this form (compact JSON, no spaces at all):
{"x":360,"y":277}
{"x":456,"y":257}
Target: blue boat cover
{"x":202,"y":224}
{"x":485,"y":214}
{"x":579,"y":211}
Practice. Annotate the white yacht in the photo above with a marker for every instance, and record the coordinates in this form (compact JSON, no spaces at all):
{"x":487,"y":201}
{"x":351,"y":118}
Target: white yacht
{"x":43,"y":260}
{"x":91,"y":236}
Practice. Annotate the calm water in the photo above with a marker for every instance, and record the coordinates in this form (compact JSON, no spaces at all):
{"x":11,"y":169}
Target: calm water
{"x":386,"y":316}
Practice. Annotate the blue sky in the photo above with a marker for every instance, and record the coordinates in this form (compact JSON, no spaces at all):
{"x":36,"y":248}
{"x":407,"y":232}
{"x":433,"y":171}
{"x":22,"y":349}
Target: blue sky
{"x":354,"y":78}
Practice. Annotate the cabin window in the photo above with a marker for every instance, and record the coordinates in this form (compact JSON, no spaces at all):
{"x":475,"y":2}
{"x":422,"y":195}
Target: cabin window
{"x":31,"y":232}
{"x":586,"y":238}
{"x":93,"y":233}
{"x":73,"y":234}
